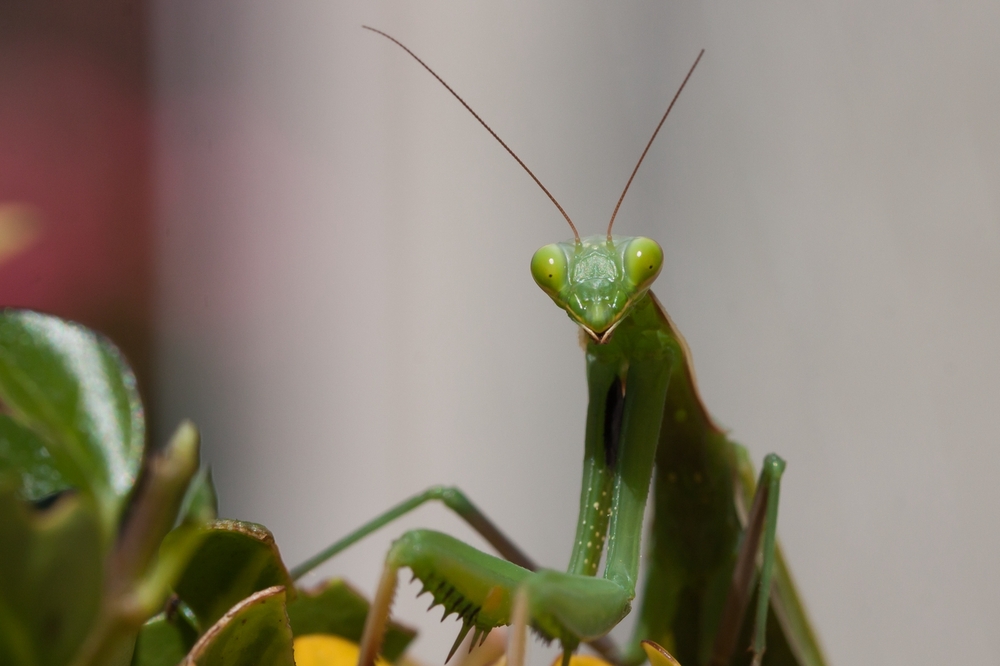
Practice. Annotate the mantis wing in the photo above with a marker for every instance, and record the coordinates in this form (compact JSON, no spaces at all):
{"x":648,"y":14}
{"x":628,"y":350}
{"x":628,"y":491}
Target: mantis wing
{"x":705,"y":487}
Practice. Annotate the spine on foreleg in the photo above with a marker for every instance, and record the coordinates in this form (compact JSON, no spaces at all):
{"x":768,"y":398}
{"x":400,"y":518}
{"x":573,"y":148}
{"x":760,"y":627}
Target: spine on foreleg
{"x":464,"y":581}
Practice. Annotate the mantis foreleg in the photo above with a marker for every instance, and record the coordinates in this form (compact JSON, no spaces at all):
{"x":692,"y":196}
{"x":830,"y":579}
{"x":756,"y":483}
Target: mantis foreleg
{"x":457,"y":501}
{"x":480,"y":589}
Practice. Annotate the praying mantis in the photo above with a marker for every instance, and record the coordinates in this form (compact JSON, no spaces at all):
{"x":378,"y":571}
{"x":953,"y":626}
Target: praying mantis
{"x":717,"y":581}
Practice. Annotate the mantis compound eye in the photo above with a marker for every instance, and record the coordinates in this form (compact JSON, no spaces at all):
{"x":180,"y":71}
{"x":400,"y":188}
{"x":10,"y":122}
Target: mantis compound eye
{"x":549,"y":268}
{"x":642,"y":261}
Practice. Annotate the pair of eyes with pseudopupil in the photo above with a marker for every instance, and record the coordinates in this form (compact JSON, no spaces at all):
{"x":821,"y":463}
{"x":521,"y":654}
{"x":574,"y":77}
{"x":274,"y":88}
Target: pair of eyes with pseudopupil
{"x":637,"y":272}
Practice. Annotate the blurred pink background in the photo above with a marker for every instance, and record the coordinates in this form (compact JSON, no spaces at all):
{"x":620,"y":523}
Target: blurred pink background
{"x":75,"y":142}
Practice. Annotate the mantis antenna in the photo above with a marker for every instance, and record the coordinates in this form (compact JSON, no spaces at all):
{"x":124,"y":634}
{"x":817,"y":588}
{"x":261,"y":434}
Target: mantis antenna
{"x":482,"y":122}
{"x":646,"y":150}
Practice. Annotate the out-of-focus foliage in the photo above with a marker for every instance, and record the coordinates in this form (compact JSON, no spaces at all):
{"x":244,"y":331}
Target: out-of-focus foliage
{"x":234,"y":560}
{"x":112,"y":554}
{"x":50,"y":578}
{"x":254,"y":631}
{"x":73,"y":389}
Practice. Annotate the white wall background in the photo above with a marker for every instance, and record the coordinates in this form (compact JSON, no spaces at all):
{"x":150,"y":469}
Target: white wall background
{"x":346,"y":310}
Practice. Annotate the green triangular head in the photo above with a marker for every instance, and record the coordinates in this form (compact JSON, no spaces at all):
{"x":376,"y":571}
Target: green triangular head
{"x":597,"y":279}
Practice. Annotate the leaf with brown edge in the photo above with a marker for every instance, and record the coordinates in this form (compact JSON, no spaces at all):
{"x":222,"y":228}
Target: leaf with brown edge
{"x":235,"y":559}
{"x":254,"y":632}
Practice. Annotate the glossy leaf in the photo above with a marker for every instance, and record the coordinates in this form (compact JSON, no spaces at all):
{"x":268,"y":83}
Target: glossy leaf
{"x":24,"y":458}
{"x":164,"y":641}
{"x":252,"y":633}
{"x":51,"y":564}
{"x":73,"y":388}
{"x":235,"y":559}
{"x":335,"y":608}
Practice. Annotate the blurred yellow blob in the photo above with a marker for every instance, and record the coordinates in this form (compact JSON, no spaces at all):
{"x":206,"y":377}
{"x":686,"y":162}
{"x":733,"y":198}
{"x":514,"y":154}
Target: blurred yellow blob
{"x":20,"y":226}
{"x":582,"y":660}
{"x":327,"y":650}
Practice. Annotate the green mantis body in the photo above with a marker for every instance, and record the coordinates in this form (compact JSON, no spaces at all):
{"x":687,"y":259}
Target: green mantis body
{"x":645,"y":419}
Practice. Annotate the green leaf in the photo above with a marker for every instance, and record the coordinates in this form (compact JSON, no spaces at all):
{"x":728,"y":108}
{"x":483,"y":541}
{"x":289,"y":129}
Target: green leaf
{"x":51,"y":565}
{"x":73,"y":388}
{"x":24,"y":458}
{"x":334,"y":607}
{"x":164,"y":641}
{"x":234,"y":560}
{"x":144,"y":565}
{"x":252,"y":633}
{"x":200,"y":505}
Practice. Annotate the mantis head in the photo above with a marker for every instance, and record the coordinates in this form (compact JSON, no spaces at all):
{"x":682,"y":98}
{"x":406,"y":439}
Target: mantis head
{"x":597,"y":279}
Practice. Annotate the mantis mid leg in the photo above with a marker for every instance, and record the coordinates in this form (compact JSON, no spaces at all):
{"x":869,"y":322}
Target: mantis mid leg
{"x":761,"y":521}
{"x":451,"y":497}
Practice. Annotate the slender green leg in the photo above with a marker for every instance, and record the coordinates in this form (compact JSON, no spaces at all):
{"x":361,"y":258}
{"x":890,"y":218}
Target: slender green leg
{"x":454,"y":499}
{"x":762,"y":521}
{"x":771,"y":475}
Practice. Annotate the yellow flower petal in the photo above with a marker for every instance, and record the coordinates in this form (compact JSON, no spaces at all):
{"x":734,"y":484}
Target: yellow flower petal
{"x":582,"y":660}
{"x":658,"y":656}
{"x":327,"y":650}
